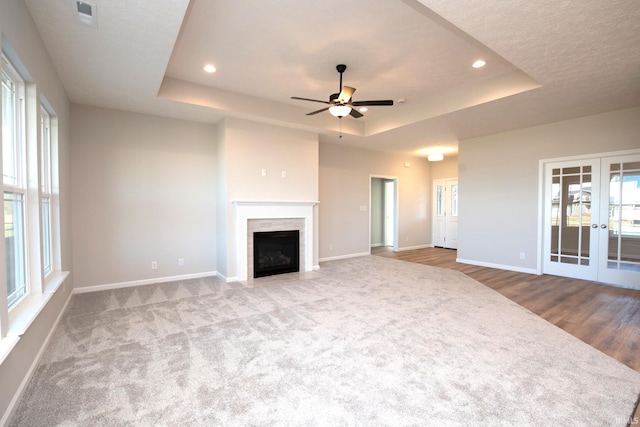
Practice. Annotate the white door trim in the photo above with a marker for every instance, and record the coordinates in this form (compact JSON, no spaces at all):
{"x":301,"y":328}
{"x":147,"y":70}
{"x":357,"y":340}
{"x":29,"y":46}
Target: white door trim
{"x":396,"y":181}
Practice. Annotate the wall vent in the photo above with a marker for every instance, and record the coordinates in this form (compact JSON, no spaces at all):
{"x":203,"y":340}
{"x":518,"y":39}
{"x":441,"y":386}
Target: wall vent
{"x":86,"y":13}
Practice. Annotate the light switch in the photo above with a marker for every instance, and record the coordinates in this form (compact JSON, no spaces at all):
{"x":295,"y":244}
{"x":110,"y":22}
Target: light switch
{"x":264,"y":172}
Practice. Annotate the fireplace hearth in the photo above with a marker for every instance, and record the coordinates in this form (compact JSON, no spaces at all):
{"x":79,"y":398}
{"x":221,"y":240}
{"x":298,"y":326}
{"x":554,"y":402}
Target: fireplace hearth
{"x":276,"y":252}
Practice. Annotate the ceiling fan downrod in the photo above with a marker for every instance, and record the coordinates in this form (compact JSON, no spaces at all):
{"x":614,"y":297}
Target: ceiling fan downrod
{"x":341,"y":69}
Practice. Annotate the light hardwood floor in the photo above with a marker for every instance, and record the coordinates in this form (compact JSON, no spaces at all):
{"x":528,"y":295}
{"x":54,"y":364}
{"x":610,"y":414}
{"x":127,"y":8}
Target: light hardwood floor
{"x":605,"y":317}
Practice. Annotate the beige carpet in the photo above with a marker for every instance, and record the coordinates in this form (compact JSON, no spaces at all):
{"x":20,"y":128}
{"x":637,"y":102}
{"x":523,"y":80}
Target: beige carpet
{"x":363,"y":342}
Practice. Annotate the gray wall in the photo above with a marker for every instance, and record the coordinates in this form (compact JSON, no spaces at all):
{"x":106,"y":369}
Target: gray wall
{"x":499,"y":180}
{"x":445,"y":169}
{"x":144,"y":190}
{"x":18,"y":30}
{"x":344,"y":187}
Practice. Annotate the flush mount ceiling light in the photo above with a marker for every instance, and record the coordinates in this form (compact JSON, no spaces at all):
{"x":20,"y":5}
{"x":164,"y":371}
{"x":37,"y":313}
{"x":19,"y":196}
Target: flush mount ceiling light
{"x":435,"y":157}
{"x":210,"y":68}
{"x":479,"y":63}
{"x":339,"y":110}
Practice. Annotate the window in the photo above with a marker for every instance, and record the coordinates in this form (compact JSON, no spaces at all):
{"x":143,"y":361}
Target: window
{"x":31,"y":261}
{"x":13,"y":174}
{"x":45,"y":189}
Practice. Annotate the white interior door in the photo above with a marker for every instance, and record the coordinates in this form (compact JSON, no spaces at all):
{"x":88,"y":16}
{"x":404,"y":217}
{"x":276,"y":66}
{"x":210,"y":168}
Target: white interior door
{"x":619,"y":226}
{"x":592,"y":219}
{"x":445,"y":213}
{"x":570,"y":247}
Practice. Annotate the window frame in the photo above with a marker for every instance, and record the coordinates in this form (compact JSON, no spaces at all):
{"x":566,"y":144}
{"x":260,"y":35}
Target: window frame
{"x":36,"y":167}
{"x":45,"y":192}
{"x":18,"y":183}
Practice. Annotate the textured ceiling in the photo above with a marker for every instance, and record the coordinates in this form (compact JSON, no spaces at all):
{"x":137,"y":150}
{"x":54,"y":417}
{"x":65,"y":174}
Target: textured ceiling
{"x":544,"y":63}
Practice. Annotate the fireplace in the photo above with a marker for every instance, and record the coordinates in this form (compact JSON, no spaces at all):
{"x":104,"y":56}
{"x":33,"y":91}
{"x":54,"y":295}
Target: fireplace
{"x":276,"y":252}
{"x":261,"y":216}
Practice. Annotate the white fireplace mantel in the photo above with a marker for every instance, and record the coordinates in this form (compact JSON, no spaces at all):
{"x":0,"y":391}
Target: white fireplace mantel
{"x":247,"y":209}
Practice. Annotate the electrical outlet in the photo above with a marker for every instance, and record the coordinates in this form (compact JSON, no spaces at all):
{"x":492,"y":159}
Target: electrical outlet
{"x":154,"y":265}
{"x":521,"y":255}
{"x":181,"y":262}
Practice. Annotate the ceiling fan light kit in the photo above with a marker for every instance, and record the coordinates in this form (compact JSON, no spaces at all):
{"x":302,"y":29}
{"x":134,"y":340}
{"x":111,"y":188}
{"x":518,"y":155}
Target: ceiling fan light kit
{"x":339,"y":110}
{"x":341,"y":104}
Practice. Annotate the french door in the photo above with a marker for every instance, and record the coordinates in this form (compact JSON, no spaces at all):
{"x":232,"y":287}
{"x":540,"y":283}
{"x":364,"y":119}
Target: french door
{"x":445,"y":213}
{"x":592,"y":219}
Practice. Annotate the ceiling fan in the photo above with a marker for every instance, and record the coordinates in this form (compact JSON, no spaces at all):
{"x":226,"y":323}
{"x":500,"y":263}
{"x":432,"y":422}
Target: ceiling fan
{"x":341,"y":104}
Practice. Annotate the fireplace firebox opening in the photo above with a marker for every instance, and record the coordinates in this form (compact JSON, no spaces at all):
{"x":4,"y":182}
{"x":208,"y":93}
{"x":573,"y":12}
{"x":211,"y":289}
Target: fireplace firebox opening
{"x":276,"y":252}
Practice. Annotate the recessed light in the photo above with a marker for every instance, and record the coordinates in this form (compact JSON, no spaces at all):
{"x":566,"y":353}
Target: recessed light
{"x":479,"y":63}
{"x":363,"y":109}
{"x":209,"y":68}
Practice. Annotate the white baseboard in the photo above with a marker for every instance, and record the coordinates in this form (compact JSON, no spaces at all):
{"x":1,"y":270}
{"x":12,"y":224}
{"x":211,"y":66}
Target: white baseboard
{"x":144,"y":282}
{"x":499,"y":266}
{"x":333,"y":258}
{"x":377,"y":245}
{"x":225,"y":278}
{"x":13,"y":405}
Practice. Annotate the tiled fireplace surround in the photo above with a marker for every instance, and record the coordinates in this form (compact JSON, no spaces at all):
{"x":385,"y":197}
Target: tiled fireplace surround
{"x":254,"y":216}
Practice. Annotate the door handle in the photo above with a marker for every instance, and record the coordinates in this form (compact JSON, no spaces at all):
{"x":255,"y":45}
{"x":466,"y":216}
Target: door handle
{"x":594,"y":225}
{"x":603,"y":226}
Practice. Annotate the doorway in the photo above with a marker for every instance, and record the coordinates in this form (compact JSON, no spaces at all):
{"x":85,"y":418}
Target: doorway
{"x":383,"y":209}
{"x":445,"y":213}
{"x":591,"y":219}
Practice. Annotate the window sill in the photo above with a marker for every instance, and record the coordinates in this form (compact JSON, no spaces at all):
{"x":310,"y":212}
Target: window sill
{"x":6,"y":345}
{"x":23,"y":315}
{"x":27,"y":310}
{"x":54,"y":280}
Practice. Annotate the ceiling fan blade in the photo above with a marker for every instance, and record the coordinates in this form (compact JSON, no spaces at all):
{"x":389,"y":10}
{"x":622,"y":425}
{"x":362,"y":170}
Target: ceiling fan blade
{"x":372,"y":103}
{"x":346,"y":94}
{"x":318,"y":111}
{"x":308,"y":99}
{"x":355,"y":113}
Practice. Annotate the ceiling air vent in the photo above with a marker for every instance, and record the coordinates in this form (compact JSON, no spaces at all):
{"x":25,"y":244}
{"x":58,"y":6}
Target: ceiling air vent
{"x":87,"y":13}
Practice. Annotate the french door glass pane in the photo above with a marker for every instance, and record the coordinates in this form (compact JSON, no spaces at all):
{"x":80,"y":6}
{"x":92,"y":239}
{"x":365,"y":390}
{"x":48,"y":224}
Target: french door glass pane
{"x":440,"y":200}
{"x":454,"y":200}
{"x":571,"y":215}
{"x":14,"y":237}
{"x":624,"y":217}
